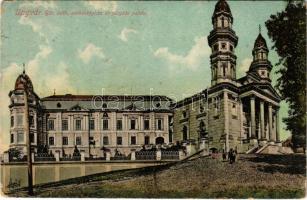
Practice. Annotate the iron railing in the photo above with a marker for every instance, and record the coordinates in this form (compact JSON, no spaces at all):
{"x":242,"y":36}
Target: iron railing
{"x":145,"y":155}
{"x":73,"y":158}
{"x":169,"y":155}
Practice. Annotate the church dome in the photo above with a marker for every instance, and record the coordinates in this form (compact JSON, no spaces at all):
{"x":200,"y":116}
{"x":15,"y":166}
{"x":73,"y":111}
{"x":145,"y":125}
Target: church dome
{"x":23,"y":81}
{"x":260,"y":42}
{"x":222,"y":6}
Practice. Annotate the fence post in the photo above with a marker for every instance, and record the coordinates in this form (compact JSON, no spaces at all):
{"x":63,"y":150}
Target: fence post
{"x":181,"y":154}
{"x":108,"y":155}
{"x":57,"y":156}
{"x":158,"y":155}
{"x":132,"y":154}
{"x":102,"y":153}
{"x":6,"y":158}
{"x":202,"y":144}
{"x":82,"y":156}
{"x":32,"y":157}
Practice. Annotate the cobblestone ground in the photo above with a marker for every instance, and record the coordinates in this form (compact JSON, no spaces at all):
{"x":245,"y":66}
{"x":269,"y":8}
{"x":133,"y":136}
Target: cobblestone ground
{"x":263,"y":176}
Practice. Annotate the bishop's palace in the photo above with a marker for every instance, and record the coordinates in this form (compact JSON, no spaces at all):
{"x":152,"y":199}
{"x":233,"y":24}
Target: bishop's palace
{"x":231,"y":113}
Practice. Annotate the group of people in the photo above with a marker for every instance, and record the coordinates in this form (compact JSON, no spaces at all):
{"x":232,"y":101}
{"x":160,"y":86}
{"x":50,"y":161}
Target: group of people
{"x":231,"y":155}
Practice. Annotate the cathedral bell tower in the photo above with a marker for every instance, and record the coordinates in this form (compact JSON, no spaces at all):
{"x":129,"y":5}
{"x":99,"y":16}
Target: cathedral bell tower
{"x":261,"y":65}
{"x":222,"y":40}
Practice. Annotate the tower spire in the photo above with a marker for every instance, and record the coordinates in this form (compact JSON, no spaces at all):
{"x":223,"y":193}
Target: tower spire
{"x":24,"y":68}
{"x":259,"y":29}
{"x":223,"y":40}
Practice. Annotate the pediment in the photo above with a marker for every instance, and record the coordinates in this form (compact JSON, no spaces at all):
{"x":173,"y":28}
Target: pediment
{"x":77,"y":107}
{"x":269,"y":90}
{"x":132,"y":107}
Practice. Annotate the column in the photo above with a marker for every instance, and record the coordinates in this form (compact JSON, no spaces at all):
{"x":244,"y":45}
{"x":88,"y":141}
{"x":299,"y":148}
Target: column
{"x":253,"y":121}
{"x":270,"y":123}
{"x":112,"y":121}
{"x":226,"y":114}
{"x":141,"y":122}
{"x":277,"y":126}
{"x":241,"y":120}
{"x":262,"y":120}
{"x":85,"y":122}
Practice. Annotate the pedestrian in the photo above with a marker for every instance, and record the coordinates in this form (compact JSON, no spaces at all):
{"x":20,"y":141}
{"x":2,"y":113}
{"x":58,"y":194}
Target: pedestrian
{"x":230,"y":156}
{"x":234,"y":154}
{"x":224,"y":155}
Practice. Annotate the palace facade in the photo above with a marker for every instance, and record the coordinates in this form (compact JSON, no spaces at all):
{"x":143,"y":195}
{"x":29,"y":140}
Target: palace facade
{"x":91,"y":123}
{"x":231,"y":113}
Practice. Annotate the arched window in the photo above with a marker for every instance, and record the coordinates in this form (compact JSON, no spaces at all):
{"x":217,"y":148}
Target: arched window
{"x":202,"y":129}
{"x":224,"y":69}
{"x":159,"y":140}
{"x":223,"y":23}
{"x":184,"y":114}
{"x":185,"y":133}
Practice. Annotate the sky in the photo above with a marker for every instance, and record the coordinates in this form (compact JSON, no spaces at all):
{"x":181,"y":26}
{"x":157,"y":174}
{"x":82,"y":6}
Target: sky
{"x":84,"y":47}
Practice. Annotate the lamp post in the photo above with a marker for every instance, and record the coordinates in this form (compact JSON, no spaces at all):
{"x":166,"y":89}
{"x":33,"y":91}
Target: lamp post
{"x":28,"y":140}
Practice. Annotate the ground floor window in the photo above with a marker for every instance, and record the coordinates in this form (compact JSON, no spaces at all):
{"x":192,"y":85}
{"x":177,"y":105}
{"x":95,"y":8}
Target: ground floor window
{"x":119,"y":141}
{"x":146,"y":140}
{"x":185,"y":133}
{"x":51,"y":141}
{"x":65,"y":140}
{"x":105,"y":140}
{"x":78,"y":141}
{"x":159,"y":140}
{"x":133,"y":140}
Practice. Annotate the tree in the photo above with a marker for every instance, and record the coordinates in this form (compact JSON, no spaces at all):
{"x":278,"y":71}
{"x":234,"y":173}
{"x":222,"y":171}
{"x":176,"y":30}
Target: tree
{"x":287,"y":30}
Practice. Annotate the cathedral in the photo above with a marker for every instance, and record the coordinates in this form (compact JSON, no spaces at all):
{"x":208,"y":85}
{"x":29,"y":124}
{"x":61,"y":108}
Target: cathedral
{"x":230,"y":114}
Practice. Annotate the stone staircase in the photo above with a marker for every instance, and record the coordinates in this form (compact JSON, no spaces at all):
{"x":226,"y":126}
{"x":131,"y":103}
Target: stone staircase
{"x":274,"y":149}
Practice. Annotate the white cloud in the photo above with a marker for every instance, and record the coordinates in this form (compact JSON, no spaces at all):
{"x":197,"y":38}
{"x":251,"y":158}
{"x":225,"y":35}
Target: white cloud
{"x":57,"y":79}
{"x":90,"y":51}
{"x":191,"y":60}
{"x":244,"y":66}
{"x":124,"y":34}
{"x":37,"y":28}
{"x":43,"y":85}
{"x":41,"y":26}
{"x":103,"y":5}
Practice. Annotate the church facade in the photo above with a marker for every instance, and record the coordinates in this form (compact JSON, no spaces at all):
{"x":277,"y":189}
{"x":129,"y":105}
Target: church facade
{"x":231,"y":113}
